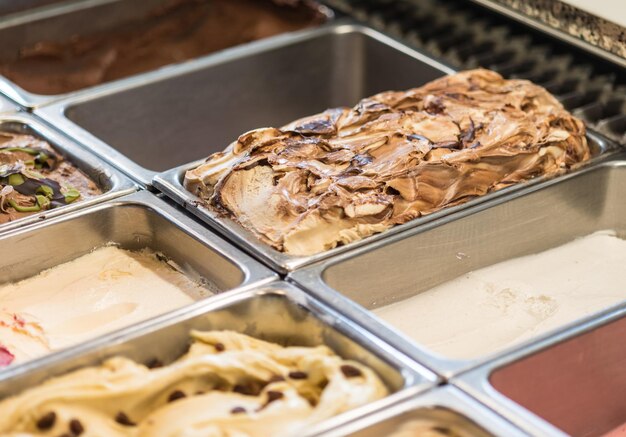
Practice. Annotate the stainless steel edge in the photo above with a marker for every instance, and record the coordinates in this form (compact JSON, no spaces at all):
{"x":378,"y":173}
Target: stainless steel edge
{"x":446,"y":397}
{"x":476,"y":382}
{"x":254,"y":274}
{"x":553,"y":32}
{"x":311,"y":279}
{"x":54,"y":113}
{"x":170,"y":183}
{"x":6,"y":106}
{"x":415,"y":378}
{"x":33,"y":100}
{"x":112,"y":182}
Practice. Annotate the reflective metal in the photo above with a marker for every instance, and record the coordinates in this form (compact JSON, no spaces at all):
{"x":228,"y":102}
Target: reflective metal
{"x":137,"y":221}
{"x":530,"y":220}
{"x":179,"y":115}
{"x":573,"y":381}
{"x":279,"y":312}
{"x":447,"y":406}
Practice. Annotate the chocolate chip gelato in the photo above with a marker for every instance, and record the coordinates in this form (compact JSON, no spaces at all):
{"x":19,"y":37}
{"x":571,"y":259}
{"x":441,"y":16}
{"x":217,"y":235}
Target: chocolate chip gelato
{"x":228,"y":384}
{"x":34,"y":178}
{"x":176,"y":31}
{"x":345,"y":174}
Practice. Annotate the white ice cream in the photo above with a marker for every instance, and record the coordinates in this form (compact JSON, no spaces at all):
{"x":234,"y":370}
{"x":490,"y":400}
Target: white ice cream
{"x":495,"y":307}
{"x":97,"y":293}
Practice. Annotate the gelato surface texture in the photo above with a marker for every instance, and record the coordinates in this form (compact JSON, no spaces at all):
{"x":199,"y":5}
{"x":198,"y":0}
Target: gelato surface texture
{"x":34,"y":178}
{"x":430,"y":428}
{"x":105,"y":290}
{"x":176,"y":31}
{"x":504,"y":304}
{"x":345,"y":174}
{"x":228,"y":384}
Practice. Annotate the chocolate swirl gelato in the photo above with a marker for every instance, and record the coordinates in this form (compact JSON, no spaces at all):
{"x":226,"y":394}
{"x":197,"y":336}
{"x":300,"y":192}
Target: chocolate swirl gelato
{"x":34,"y":178}
{"x":345,"y":174}
{"x":228,"y":384}
{"x":174,"y":32}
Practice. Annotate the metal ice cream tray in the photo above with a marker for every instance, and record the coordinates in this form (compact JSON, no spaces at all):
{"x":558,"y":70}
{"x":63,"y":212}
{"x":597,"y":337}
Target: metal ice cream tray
{"x":183,"y":114}
{"x":61,"y":20}
{"x":570,"y":384}
{"x":278,"y":312}
{"x":134,"y":222}
{"x":445,"y":407}
{"x":528,"y":221}
{"x":111,"y":182}
{"x":7,"y":106}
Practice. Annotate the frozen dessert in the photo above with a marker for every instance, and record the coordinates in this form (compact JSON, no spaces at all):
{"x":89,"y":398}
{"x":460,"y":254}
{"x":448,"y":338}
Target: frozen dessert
{"x":620,"y":431}
{"x":228,"y":384}
{"x":504,"y":304}
{"x":345,"y":174}
{"x":34,"y":178}
{"x":431,"y":428}
{"x":107,"y":289}
{"x":176,"y":31}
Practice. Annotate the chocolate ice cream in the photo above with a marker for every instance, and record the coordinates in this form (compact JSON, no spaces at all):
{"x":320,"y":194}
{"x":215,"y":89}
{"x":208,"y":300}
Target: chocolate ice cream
{"x":345,"y":174}
{"x":176,"y":31}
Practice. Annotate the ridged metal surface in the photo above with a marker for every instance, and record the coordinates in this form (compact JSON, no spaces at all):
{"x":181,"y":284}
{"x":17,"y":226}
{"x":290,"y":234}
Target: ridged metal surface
{"x":467,"y":36}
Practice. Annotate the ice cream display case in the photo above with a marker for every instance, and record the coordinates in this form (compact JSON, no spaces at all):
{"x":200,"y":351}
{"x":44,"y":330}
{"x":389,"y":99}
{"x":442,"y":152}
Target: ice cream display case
{"x":311,"y":218}
{"x":7,"y":106}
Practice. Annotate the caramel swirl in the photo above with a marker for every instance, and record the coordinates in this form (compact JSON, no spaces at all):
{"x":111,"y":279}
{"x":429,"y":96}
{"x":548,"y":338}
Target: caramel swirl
{"x":342,"y":175}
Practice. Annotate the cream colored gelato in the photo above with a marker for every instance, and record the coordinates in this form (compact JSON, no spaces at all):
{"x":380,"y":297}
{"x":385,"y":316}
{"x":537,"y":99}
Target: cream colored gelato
{"x":509,"y":302}
{"x":97,"y":293}
{"x":430,"y":428}
{"x":228,"y":384}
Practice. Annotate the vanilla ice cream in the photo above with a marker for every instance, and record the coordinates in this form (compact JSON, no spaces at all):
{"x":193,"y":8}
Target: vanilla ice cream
{"x":504,"y":304}
{"x":104,"y":290}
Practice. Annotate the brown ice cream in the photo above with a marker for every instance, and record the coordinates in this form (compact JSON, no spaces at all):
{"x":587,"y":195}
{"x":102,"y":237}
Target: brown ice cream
{"x":34,"y":178}
{"x":345,"y":174}
{"x":176,"y":31}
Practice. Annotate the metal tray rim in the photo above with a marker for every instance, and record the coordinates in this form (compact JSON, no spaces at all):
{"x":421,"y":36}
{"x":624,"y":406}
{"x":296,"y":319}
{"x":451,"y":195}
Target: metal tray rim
{"x":476,"y":381}
{"x":311,"y":279}
{"x":169,"y":182}
{"x":31,"y":100}
{"x":446,"y":397}
{"x":417,"y":379}
{"x":54,"y":113}
{"x":120,"y":184}
{"x":254,"y":273}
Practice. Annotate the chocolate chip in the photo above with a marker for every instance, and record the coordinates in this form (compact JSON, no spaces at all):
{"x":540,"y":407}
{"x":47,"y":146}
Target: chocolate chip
{"x":350,"y":371}
{"x":274,"y":396}
{"x":76,"y":428}
{"x":154,"y":363}
{"x":252,"y":388}
{"x":238,"y":410}
{"x":442,"y":430}
{"x":298,"y":375}
{"x":220,"y":347}
{"x":176,"y":395}
{"x":276,"y":378}
{"x":47,"y":421}
{"x":123,"y":419}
